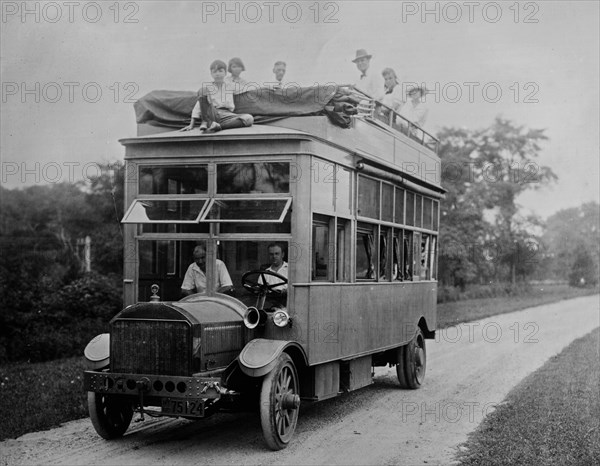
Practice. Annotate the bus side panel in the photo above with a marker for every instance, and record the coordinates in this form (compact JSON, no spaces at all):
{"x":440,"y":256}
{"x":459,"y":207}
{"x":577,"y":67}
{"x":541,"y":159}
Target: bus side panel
{"x":326,"y":304}
{"x":371,"y":317}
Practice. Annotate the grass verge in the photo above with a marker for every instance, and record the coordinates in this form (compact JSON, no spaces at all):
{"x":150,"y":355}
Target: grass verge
{"x":37,"y":396}
{"x":452,"y":313}
{"x":552,"y":417}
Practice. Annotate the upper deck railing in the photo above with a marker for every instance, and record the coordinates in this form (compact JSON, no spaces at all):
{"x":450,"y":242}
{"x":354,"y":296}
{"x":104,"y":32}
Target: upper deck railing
{"x":379,"y":112}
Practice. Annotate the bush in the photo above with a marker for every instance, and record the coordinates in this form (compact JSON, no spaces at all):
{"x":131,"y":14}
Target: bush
{"x":447,"y":294}
{"x":62,"y":321}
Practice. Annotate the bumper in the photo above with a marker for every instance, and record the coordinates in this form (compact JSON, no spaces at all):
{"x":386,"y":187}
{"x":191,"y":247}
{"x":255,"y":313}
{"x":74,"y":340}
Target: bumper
{"x":173,"y":387}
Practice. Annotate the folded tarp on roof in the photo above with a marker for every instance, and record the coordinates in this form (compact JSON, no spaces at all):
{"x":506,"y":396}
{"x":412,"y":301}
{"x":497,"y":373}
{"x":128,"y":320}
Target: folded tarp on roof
{"x":173,"y":108}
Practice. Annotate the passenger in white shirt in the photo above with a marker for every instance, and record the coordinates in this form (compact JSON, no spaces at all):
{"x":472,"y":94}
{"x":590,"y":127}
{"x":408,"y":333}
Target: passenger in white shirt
{"x":195,"y":276}
{"x":370,"y":82}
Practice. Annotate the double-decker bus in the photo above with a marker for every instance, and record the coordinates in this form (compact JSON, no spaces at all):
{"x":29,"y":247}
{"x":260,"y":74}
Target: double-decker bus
{"x":354,"y":212}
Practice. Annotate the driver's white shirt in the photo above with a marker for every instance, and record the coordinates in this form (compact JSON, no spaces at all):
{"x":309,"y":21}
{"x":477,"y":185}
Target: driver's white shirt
{"x":283,"y":271}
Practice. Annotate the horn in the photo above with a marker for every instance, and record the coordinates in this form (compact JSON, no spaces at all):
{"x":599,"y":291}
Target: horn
{"x":253,"y":317}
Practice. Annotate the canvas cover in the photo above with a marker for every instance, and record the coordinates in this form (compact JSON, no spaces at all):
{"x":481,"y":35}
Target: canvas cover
{"x":174,"y":108}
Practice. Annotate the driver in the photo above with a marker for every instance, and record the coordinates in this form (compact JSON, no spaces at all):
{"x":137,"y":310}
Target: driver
{"x":195,"y":277}
{"x":278,"y":265}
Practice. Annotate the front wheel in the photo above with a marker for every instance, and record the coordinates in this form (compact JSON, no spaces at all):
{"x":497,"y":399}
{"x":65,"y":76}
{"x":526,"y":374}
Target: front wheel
{"x":279,"y":403}
{"x":412,"y":362}
{"x":110,"y":415}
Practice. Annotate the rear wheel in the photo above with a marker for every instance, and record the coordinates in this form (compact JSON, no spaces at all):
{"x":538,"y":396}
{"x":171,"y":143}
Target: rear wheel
{"x":279,"y":403}
{"x":412,"y":362}
{"x":110,"y":415}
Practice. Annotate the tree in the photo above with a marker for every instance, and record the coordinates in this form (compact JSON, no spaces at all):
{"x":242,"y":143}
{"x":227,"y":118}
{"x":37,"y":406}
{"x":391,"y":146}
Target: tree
{"x":568,"y":234}
{"x":107,"y":195}
{"x":584,"y":272}
{"x":484,"y":172}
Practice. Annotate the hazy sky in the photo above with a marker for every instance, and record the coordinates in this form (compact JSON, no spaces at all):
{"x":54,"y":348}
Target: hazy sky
{"x":71,"y":70}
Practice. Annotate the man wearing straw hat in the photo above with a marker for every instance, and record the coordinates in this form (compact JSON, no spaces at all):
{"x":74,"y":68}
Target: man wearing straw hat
{"x":370,"y":82}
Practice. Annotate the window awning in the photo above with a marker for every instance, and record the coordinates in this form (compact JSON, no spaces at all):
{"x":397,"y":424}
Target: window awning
{"x":245,"y":210}
{"x":193,"y":210}
{"x":165,"y":210}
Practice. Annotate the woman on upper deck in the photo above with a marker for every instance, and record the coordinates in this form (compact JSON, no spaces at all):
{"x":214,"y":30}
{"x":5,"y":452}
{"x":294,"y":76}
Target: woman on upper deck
{"x":392,"y":95}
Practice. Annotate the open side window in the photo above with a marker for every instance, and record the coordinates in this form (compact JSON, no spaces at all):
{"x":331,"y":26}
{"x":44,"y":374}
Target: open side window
{"x":161,"y":209}
{"x":263,"y":209}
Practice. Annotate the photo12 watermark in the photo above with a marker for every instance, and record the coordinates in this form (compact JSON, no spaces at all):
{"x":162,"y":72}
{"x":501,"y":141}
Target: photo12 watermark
{"x":56,"y":172}
{"x":470,"y":12}
{"x":270,"y":12}
{"x":490,"y":332}
{"x":446,"y":411}
{"x":490,"y":92}
{"x":53,"y":92}
{"x":70,"y":12}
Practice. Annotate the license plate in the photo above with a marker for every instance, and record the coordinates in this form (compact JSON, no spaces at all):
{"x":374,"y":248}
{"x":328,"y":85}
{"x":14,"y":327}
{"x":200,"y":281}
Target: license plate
{"x":194,"y":408}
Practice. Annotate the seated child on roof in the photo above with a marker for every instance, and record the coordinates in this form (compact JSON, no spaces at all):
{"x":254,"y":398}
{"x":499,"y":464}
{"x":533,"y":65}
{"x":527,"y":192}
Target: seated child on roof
{"x":215,"y":107}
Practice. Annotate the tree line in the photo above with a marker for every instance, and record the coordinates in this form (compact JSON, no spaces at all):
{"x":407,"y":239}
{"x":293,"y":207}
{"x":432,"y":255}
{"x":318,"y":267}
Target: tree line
{"x":51,"y":307}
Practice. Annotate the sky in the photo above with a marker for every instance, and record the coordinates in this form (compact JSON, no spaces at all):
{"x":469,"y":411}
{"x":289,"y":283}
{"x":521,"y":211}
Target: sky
{"x":70,"y":71}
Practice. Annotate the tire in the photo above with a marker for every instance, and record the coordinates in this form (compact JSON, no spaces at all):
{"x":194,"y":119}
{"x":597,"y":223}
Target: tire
{"x":412,"y":362}
{"x":279,"y":403}
{"x":110,"y":415}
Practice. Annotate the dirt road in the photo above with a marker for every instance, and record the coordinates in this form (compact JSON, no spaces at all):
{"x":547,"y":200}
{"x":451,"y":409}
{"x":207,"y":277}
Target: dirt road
{"x":470,"y":369}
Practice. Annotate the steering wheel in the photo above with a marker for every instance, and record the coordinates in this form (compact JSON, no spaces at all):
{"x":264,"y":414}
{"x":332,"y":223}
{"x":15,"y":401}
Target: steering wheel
{"x":255,"y":282}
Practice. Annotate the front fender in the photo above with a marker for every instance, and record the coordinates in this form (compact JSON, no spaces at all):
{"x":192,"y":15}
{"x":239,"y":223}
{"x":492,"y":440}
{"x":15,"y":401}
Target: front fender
{"x":259,"y":356}
{"x":97,"y":352}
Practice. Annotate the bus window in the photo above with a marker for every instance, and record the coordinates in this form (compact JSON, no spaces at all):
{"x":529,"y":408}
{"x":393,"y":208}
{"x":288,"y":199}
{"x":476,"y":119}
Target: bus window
{"x":165,"y":263}
{"x":410,"y":208}
{"x":321,"y":248}
{"x":343,"y":191}
{"x":433,"y":257}
{"x":322,"y":185}
{"x":244,"y":256}
{"x":399,"y":206}
{"x":257,"y":227}
{"x":368,"y":197}
{"x":174,"y":228}
{"x":396,"y":256}
{"x":427,"y":213}
{"x":418,"y":211}
{"x":416,"y":256}
{"x":260,"y":177}
{"x":342,"y":251}
{"x":387,"y":202}
{"x":407,"y":255}
{"x":385,"y":265}
{"x":365,"y":246}
{"x":180,"y":179}
{"x":425,"y":272}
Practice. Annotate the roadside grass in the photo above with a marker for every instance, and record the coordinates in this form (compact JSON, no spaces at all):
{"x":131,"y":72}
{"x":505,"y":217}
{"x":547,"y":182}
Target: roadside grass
{"x":552,"y":417}
{"x":456,"y":312}
{"x":38,"y":396}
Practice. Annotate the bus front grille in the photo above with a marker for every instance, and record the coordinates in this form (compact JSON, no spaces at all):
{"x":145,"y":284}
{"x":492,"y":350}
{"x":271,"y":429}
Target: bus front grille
{"x":150,"y":347}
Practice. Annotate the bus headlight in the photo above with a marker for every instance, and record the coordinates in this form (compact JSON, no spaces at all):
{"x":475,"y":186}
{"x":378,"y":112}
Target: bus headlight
{"x":281,"y":318}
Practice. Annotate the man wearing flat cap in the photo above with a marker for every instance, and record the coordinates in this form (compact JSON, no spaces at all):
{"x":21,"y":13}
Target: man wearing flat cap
{"x":370,"y":81}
